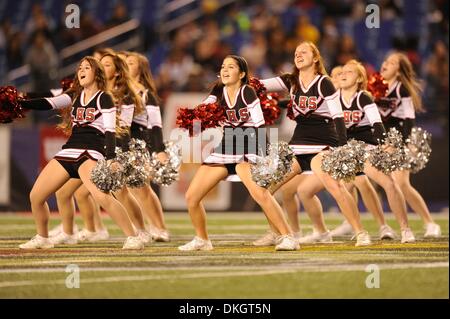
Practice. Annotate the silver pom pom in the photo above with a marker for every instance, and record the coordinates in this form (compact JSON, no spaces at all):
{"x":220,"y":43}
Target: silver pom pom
{"x":166,"y":173}
{"x":417,"y":150}
{"x":106,"y":179}
{"x":393,"y":159}
{"x":137,"y":164}
{"x":272,"y":169}
{"x":344,"y":162}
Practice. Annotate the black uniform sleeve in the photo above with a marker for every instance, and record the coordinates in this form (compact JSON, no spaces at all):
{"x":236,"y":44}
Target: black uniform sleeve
{"x":40,"y":104}
{"x":156,"y":139}
{"x":249,"y":95}
{"x":326,"y":88}
{"x":365,"y":99}
{"x":408,"y":124}
{"x":108,"y":110}
{"x":378,"y":132}
{"x":284,"y":103}
{"x":36,"y":95}
{"x":341,"y":130}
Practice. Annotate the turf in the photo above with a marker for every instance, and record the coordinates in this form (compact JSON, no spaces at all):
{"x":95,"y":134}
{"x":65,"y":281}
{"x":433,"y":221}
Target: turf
{"x":234,"y":269}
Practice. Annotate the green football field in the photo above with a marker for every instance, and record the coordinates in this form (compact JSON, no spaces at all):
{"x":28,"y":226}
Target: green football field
{"x":234,"y":269}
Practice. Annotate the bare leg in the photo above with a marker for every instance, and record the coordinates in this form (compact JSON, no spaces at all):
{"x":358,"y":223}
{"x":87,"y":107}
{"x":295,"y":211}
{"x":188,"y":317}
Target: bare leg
{"x":393,"y":192}
{"x":151,"y":205}
{"x":412,"y":196}
{"x":370,"y":198}
{"x":340,"y":194}
{"x":52,"y":177}
{"x":107,"y":201}
{"x":291,"y":203}
{"x":264,"y":198}
{"x":309,"y":186}
{"x":87,"y":207}
{"x":66,"y":205}
{"x":204,"y":180}
{"x":132,"y":206}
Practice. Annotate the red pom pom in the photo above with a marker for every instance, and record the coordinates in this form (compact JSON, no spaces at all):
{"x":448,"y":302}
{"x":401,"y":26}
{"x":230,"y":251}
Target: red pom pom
{"x":290,"y":110}
{"x":269,"y":101}
{"x":66,"y":83}
{"x":210,"y":115}
{"x":10,"y":108}
{"x":377,"y":86}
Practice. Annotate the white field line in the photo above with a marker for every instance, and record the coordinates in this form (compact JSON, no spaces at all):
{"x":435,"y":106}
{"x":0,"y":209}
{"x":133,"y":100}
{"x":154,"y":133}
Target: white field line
{"x":221,"y":274}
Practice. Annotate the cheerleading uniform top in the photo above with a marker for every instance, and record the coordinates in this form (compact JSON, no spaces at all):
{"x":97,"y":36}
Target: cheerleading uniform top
{"x":241,"y":140}
{"x":362,"y":119}
{"x":94,"y":124}
{"x":147,"y":125}
{"x":317,"y":111}
{"x":397,"y":109}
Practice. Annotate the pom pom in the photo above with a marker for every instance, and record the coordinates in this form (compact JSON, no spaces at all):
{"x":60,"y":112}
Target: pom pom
{"x":166,"y":173}
{"x":344,"y":162}
{"x":377,"y":86}
{"x":272,"y":169}
{"x":10,"y":108}
{"x":210,"y":115}
{"x":417,"y":150}
{"x":392,"y":159}
{"x":66,"y":83}
{"x":136,"y":163}
{"x":105,"y":178}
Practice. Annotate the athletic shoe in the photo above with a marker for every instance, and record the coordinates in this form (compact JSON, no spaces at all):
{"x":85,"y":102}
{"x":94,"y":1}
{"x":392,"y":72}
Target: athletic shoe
{"x":316,"y":237}
{"x":63,"y":238}
{"x":197,"y":244}
{"x":101,"y":234}
{"x":86,"y":236}
{"x":287,"y":242}
{"x":269,"y":239}
{"x":145,"y":236}
{"x":343,"y":229}
{"x":133,"y":243}
{"x":407,"y":236}
{"x":59,"y":228}
{"x":362,"y":238}
{"x":386,"y":232}
{"x":159,"y":235}
{"x":37,"y":242}
{"x":433,"y":230}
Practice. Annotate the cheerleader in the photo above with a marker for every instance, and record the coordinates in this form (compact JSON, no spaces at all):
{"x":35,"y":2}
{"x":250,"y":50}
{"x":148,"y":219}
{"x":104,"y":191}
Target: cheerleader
{"x":148,"y":127}
{"x":244,"y":117}
{"x":93,"y":115}
{"x":320,"y":125}
{"x":364,"y":123}
{"x":398,"y":110}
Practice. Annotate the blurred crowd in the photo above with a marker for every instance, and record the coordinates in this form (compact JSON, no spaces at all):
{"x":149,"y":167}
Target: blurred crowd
{"x":264,"y":32}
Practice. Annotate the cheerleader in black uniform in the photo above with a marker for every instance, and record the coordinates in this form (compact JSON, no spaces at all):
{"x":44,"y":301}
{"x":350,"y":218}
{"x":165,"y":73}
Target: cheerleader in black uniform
{"x":148,"y":127}
{"x":363,"y":123}
{"x":398,"y":110}
{"x":320,"y":125}
{"x":93,"y":116}
{"x":239,"y":146}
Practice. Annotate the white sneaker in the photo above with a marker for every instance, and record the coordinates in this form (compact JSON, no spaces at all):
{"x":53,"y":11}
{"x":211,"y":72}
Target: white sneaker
{"x":63,"y":238}
{"x":101,"y":234}
{"x":297,"y":234}
{"x":59,"y":228}
{"x":269,"y":239}
{"x":407,"y":236}
{"x":197,"y":244}
{"x":287,"y":242}
{"x":343,"y":229}
{"x":133,"y":243}
{"x":362,"y":239}
{"x":160,"y":235}
{"x":316,"y":237}
{"x":37,"y":242}
{"x":433,"y":230}
{"x":386,"y":232}
{"x":145,"y":236}
{"x":86,"y":236}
